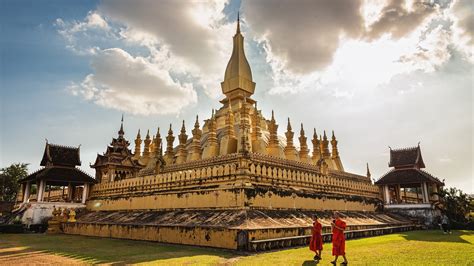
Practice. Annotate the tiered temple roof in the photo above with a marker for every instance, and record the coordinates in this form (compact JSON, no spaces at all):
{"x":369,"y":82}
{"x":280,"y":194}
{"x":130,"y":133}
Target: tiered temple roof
{"x":407,"y":157}
{"x":58,"y":155}
{"x":407,"y":164}
{"x":60,"y":166}
{"x":59,"y":176}
{"x":118,"y":161}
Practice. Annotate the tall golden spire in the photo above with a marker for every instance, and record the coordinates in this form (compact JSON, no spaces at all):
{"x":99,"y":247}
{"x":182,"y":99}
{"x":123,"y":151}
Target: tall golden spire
{"x":238,"y":75}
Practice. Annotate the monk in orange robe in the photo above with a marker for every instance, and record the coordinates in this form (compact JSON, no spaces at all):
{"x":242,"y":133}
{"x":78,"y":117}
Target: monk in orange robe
{"x":338,"y":238}
{"x":316,"y":243}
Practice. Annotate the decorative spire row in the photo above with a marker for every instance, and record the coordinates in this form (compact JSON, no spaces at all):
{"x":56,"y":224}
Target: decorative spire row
{"x":249,"y":139}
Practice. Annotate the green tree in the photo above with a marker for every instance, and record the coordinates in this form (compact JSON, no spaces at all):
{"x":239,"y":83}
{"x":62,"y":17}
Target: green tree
{"x":9,"y":177}
{"x":455,"y":204}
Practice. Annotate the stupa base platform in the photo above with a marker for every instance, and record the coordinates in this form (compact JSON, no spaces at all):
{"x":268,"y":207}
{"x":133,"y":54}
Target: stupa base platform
{"x":248,"y":230}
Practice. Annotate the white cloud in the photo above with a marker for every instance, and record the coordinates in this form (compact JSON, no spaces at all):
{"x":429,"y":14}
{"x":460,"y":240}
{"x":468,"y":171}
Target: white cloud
{"x":360,"y":46}
{"x":133,"y":84}
{"x":462,"y":14}
{"x":79,"y":33}
{"x":302,"y":37}
{"x":195,"y":36}
{"x":161,"y":42}
{"x":445,"y":160}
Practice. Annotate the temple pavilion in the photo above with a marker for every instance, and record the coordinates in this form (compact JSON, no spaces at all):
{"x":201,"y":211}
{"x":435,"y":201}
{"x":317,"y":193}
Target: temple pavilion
{"x":59,"y":180}
{"x":409,"y":190}
{"x":407,"y":183}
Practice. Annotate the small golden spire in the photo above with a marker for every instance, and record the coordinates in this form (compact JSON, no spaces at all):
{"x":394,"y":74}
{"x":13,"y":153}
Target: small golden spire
{"x":196,"y":124}
{"x":316,"y":147}
{"x":303,"y":146}
{"x":146,"y":150}
{"x":183,"y":137}
{"x":273,"y":129}
{"x":138,"y":143}
{"x":169,"y":153}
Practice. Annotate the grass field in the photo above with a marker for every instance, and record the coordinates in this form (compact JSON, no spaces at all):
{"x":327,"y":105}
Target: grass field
{"x":408,"y":248}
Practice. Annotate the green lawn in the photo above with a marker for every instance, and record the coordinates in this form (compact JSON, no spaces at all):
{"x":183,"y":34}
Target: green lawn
{"x":409,"y":248}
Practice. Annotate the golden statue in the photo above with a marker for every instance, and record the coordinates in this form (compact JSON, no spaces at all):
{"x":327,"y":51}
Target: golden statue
{"x":72,"y":216}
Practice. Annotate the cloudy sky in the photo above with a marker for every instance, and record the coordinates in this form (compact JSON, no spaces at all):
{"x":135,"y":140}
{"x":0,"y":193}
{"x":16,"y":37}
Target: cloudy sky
{"x":379,"y":73}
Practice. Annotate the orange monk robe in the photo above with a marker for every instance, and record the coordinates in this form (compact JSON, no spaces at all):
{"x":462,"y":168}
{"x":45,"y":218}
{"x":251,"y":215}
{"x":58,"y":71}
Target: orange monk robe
{"x":316,"y":242}
{"x":338,"y":239}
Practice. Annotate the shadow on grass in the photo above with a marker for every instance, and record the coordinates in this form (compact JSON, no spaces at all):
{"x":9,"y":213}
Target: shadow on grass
{"x":309,"y":263}
{"x":438,"y":236}
{"x":107,"y":250}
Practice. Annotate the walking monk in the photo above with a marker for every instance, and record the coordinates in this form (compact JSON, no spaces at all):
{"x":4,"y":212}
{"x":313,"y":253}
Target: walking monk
{"x":338,"y":239}
{"x":316,"y":243}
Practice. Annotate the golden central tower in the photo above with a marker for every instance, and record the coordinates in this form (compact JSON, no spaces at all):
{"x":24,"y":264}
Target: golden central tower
{"x":238,"y":75}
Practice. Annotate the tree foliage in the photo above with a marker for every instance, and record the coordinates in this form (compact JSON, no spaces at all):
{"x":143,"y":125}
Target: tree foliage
{"x":9,"y":177}
{"x":455,"y":204}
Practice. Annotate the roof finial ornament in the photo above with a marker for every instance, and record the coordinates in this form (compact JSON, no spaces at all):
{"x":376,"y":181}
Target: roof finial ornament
{"x":368,"y":171}
{"x":238,"y":21}
{"x":121,"y":132}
